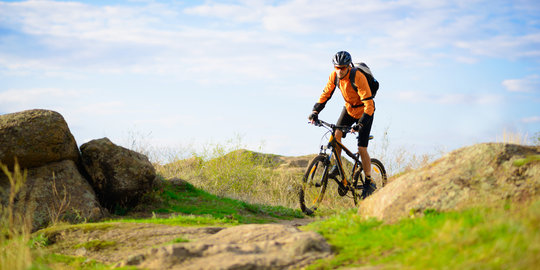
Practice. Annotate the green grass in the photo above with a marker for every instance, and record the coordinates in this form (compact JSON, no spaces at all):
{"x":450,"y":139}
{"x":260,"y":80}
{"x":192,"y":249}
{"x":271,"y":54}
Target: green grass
{"x":528,"y":159}
{"x":193,"y":206}
{"x":58,"y":261}
{"x":481,"y":238}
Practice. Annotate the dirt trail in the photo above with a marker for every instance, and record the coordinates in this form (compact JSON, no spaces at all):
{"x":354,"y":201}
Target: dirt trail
{"x":156,"y":246}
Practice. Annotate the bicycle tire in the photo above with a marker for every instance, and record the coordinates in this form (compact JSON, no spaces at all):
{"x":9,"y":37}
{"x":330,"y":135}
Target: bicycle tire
{"x":378,"y":174}
{"x":310,"y":194}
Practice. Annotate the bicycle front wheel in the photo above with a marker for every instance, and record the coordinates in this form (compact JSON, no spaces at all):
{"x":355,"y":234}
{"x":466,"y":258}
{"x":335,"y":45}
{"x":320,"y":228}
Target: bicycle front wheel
{"x":314,"y":183}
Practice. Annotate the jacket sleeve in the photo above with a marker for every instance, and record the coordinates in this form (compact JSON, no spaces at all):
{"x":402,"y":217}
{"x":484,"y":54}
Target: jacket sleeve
{"x":365,"y":93}
{"x":327,"y":93}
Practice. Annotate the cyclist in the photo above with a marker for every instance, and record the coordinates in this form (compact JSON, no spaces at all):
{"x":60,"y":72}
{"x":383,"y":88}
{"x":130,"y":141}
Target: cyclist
{"x":357,"y":112}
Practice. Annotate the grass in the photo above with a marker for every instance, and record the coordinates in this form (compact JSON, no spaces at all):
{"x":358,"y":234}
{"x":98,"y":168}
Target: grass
{"x":193,"y":206}
{"x":61,"y":262}
{"x":526,"y":160}
{"x":15,"y":252}
{"x":228,"y":170}
{"x":513,"y":137}
{"x":481,"y":238}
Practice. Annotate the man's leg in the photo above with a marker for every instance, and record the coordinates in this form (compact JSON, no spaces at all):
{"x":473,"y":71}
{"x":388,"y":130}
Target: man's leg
{"x":339,"y":135}
{"x":366,"y":160}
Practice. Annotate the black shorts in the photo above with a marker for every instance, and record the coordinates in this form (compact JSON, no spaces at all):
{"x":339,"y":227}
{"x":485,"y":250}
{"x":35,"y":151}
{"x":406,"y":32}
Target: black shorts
{"x":345,"y":119}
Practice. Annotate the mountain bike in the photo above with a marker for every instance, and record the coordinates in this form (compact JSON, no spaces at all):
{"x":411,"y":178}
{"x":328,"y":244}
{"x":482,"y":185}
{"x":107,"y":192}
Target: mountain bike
{"x":314,"y":183}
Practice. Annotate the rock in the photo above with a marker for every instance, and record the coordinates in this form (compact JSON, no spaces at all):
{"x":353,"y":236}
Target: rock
{"x":54,"y":190}
{"x":118,"y":175}
{"x":35,"y":137}
{"x":270,"y":246}
{"x":472,"y":176}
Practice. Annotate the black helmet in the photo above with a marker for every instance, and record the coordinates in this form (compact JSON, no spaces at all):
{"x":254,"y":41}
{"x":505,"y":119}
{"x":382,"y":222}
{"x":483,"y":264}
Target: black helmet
{"x":342,"y":58}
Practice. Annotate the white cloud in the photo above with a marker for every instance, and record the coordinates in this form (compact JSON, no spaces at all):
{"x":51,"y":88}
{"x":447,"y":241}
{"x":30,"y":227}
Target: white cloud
{"x":162,"y":39}
{"x":532,"y":119}
{"x":529,"y":84}
{"x":511,"y":47}
{"x":448,"y":99}
{"x":104,"y":108}
{"x":250,"y":11}
{"x":403,"y":30}
{"x":25,"y":97}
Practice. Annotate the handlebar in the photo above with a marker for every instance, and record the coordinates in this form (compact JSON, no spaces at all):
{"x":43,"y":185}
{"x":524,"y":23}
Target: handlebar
{"x":333,"y":127}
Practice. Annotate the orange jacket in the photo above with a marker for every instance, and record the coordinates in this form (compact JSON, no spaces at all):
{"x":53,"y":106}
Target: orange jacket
{"x":355,"y":102}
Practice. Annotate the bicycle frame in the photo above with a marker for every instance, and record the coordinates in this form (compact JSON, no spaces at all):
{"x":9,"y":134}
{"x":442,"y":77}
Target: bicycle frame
{"x":332,"y":145}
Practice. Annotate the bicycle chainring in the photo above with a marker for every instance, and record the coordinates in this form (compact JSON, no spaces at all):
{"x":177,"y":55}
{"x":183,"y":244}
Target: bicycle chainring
{"x":342,"y":191}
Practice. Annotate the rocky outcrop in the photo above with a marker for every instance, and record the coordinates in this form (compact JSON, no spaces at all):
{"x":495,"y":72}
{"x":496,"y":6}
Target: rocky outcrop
{"x":119,"y":176}
{"x":271,"y":246}
{"x":35,"y":138}
{"x":472,"y":176}
{"x":55,"y":192}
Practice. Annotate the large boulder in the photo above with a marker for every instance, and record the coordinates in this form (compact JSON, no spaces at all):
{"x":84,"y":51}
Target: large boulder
{"x":119,"y":176}
{"x":472,"y":176}
{"x":54,"y":192}
{"x":35,"y":138}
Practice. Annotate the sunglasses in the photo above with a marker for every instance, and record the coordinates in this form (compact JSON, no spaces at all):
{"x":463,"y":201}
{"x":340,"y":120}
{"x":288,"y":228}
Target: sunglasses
{"x":340,"y":68}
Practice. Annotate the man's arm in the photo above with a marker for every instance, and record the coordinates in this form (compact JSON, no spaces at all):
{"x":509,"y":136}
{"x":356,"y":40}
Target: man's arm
{"x":326,"y":94}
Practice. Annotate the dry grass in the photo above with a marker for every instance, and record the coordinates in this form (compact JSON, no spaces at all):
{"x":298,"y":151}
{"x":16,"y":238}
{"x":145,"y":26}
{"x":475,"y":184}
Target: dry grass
{"x":513,"y":137}
{"x":229,"y":171}
{"x":15,"y":252}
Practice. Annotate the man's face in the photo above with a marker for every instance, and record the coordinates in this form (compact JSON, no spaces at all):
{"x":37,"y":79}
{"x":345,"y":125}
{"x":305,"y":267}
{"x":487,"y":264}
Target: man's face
{"x":341,"y":71}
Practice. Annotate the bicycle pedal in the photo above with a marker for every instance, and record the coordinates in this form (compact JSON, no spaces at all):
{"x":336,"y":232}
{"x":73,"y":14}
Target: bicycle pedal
{"x":318,"y":184}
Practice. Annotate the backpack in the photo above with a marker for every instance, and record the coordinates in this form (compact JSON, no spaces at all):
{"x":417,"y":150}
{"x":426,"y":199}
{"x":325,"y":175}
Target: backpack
{"x":372,"y":82}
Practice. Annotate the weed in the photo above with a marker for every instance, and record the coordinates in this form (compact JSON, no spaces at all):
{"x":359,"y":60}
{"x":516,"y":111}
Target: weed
{"x":15,"y":252}
{"x":513,"y":137}
{"x":39,"y":240}
{"x":60,"y":203}
{"x":178,"y":240}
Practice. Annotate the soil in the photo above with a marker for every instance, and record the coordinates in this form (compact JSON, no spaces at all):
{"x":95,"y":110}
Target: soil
{"x":156,"y":246}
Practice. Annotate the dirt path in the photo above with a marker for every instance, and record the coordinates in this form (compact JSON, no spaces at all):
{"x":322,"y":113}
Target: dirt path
{"x":297,"y":222}
{"x":140,"y":243}
{"x":114,"y":242}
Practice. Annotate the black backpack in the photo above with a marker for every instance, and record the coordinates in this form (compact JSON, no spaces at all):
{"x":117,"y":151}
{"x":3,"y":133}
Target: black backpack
{"x":362,"y":67}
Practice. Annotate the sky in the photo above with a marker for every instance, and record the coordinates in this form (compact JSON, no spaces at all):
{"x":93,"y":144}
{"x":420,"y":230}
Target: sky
{"x":186,"y":74}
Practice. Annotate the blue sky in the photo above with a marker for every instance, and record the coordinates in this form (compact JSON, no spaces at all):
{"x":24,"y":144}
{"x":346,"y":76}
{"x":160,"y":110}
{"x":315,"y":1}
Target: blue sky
{"x":188,"y":73}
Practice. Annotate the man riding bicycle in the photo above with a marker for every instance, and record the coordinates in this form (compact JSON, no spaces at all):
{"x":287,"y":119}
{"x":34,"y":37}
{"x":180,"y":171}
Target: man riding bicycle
{"x":358,"y":110}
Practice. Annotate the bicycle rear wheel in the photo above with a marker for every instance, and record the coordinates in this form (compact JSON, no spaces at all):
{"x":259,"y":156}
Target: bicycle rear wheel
{"x":378,"y":174}
{"x":314,"y":183}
